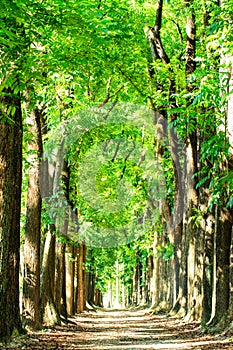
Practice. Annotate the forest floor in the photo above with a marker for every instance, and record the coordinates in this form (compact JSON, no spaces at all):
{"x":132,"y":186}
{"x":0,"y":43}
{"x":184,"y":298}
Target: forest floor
{"x":121,"y":329}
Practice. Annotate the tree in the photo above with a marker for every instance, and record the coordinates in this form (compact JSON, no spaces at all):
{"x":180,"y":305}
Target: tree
{"x":31,"y":273}
{"x":10,"y":203}
{"x":181,"y":69}
{"x":10,"y":169}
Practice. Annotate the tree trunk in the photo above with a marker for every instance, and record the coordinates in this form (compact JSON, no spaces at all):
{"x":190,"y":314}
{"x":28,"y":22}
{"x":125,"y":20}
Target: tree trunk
{"x":60,"y":281}
{"x":50,"y":315}
{"x":84,"y":277}
{"x":194,"y":255}
{"x":221,"y":278}
{"x":177,"y":218}
{"x":226,"y":323}
{"x":155,"y":275}
{"x":194,"y":237}
{"x":208,"y":267}
{"x":63,"y":310}
{"x":59,"y":274}
{"x":31,"y":273}
{"x":136,"y":283}
{"x":70,"y":272}
{"x":92,"y":294}
{"x":10,"y":202}
{"x":180,"y":307}
{"x":98,"y":298}
{"x":90,"y":281}
{"x":81,"y":282}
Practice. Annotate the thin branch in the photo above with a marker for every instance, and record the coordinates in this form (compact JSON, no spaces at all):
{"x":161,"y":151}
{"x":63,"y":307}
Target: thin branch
{"x":190,"y":44}
{"x":99,"y":4}
{"x":116,"y":151}
{"x":105,"y":117}
{"x":154,"y":52}
{"x":159,"y":46}
{"x":158,"y":21}
{"x":178,"y":30}
{"x":110,"y":96}
{"x":131,"y":81}
{"x":108,"y":86}
{"x":125,"y":160}
{"x":154,"y":38}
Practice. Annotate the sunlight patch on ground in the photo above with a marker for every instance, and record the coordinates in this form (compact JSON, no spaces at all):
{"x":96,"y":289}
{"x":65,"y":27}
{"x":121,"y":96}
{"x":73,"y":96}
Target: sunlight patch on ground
{"x":131,"y":330}
{"x":164,"y":346}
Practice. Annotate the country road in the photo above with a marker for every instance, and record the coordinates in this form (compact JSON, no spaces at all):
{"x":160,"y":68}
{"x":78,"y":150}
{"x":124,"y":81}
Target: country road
{"x":119,"y":329}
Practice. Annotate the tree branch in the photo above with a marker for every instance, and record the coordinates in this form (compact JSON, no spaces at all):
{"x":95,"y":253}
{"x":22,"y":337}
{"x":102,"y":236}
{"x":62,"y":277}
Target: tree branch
{"x":99,"y":4}
{"x":131,"y":81}
{"x":158,"y":21}
{"x":190,"y":39}
{"x":178,"y":30}
{"x":154,"y":38}
{"x":108,"y":94}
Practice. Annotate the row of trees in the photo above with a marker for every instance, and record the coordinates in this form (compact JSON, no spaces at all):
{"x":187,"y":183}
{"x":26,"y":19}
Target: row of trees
{"x":147,"y":86}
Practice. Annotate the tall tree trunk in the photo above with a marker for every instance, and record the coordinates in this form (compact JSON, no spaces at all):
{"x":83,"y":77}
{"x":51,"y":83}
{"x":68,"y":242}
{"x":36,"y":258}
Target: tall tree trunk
{"x":173,"y":224}
{"x":177,"y":218}
{"x":221,"y":278}
{"x":98,"y":298}
{"x":31,"y":273}
{"x":180,"y":307}
{"x":228,"y":317}
{"x":63,"y":310}
{"x":207,"y":225}
{"x":195,"y":237}
{"x":136,"y":283}
{"x":70,"y":273}
{"x":84,"y":277}
{"x":59,"y":274}
{"x":191,"y":230}
{"x":167,"y":237}
{"x":49,"y":311}
{"x":60,"y":279}
{"x":51,"y":185}
{"x":223,"y":273}
{"x":90,"y":281}
{"x":155,"y":275}
{"x":10,"y":202}
{"x":81,"y":281}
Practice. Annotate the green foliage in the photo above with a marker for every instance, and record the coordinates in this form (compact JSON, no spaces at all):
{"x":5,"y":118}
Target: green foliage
{"x":165,"y":251}
{"x":81,"y":54}
{"x":102,"y":261}
{"x":109,"y":175}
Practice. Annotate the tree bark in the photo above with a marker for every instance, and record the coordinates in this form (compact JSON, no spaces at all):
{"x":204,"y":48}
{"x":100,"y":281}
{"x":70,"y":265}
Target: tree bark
{"x":90,"y":280}
{"x":31,"y":273}
{"x":49,"y":313}
{"x":81,"y":281}
{"x":10,"y":203}
{"x":173,"y":223}
{"x":70,"y":273}
{"x":63,"y":310}
{"x":208,"y":227}
{"x":221,"y":278}
{"x":194,"y":237}
{"x":59,"y":274}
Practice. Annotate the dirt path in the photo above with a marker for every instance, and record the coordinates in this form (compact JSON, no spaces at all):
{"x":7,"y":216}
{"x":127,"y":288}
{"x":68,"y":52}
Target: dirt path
{"x":104,"y":330}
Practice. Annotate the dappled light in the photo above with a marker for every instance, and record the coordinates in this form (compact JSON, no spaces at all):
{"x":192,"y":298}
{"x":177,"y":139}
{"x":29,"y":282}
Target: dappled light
{"x":116,"y":174}
{"x":123,"y":329}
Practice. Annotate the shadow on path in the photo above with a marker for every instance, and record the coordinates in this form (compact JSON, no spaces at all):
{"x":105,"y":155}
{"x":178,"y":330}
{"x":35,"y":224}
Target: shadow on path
{"x":122,"y":329}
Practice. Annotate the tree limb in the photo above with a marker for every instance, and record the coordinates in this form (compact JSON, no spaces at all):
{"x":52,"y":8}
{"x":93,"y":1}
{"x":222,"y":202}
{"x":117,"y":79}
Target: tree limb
{"x":178,"y":30}
{"x":110,"y":96}
{"x":158,"y":21}
{"x":154,"y":38}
